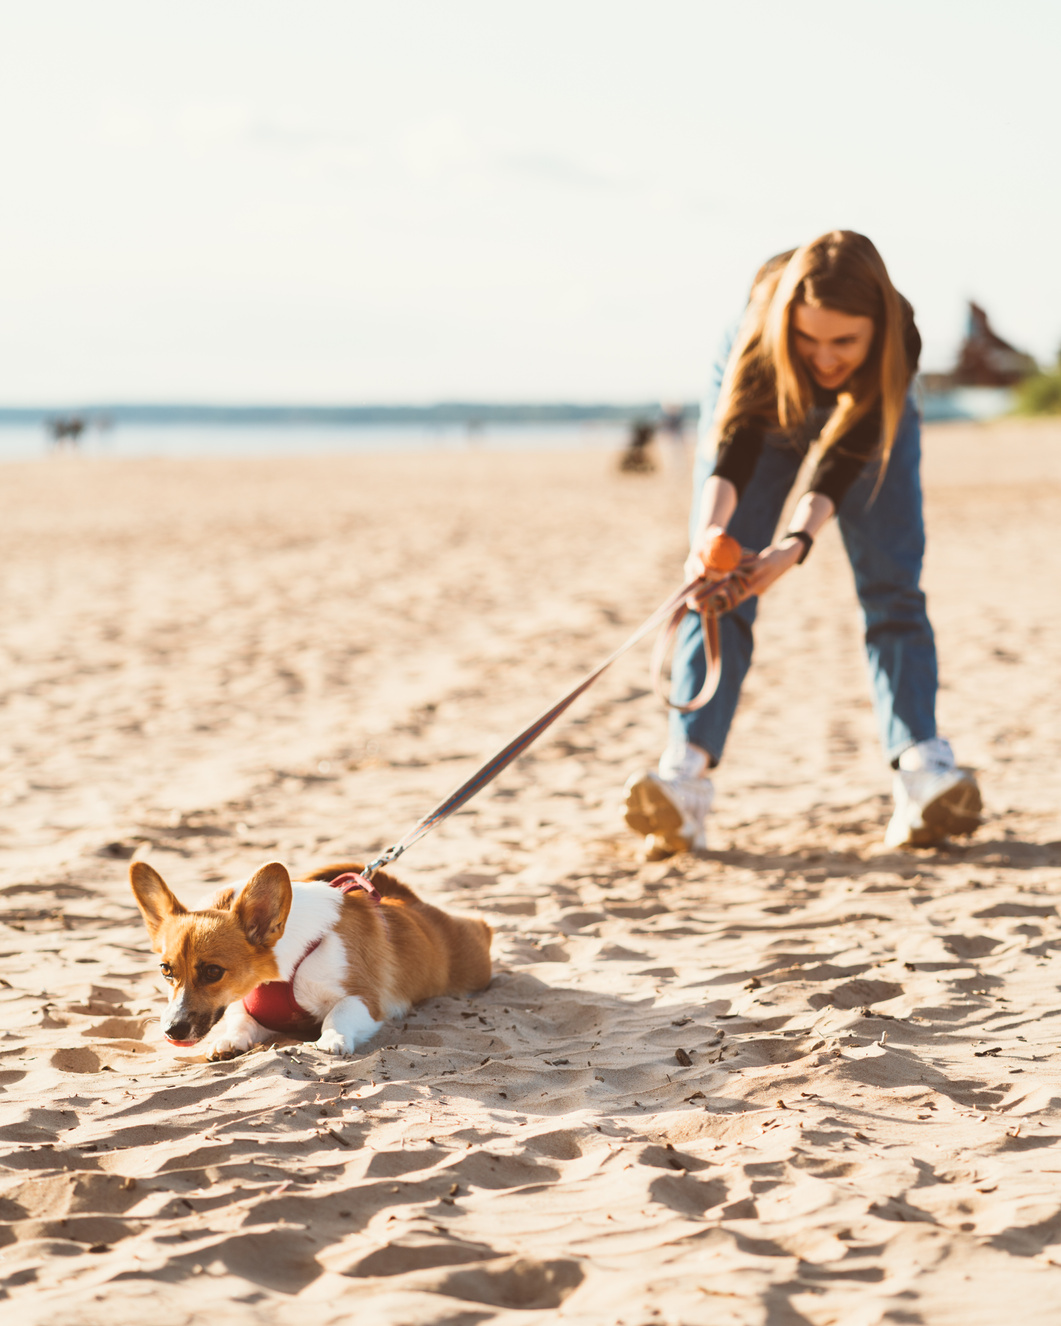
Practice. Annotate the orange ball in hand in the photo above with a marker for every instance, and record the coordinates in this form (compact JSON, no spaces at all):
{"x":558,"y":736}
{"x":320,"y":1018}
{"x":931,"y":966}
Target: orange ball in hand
{"x":721,"y":555}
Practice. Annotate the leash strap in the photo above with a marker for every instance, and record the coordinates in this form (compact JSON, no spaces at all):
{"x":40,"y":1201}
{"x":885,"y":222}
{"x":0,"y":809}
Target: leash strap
{"x":724,"y":597}
{"x":726,"y":594}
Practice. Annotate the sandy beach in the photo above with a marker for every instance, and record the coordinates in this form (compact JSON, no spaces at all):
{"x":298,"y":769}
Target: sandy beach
{"x":796,"y":1078}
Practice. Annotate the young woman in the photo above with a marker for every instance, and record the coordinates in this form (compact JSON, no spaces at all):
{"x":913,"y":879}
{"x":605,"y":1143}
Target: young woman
{"x":824,"y":357}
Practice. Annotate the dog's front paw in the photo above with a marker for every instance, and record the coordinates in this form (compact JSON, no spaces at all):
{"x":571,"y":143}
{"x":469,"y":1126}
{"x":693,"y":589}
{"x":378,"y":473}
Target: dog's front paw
{"x":333,"y":1042}
{"x":225,"y":1049}
{"x":237,"y":1032}
{"x":218,"y":1054}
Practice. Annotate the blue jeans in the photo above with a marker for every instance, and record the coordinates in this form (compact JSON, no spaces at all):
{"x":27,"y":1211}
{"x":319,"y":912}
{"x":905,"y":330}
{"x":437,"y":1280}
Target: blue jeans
{"x":885,"y":541}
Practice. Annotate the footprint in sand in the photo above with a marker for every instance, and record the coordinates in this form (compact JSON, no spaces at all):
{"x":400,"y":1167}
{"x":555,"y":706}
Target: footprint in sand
{"x":280,"y":1259}
{"x":416,"y":1253}
{"x":483,"y":1170}
{"x":515,"y":1282}
{"x":559,"y":1145}
{"x":130,"y":1029}
{"x":79,"y":1059}
{"x":970,"y":946}
{"x":856,"y":994}
{"x":686,"y":1195}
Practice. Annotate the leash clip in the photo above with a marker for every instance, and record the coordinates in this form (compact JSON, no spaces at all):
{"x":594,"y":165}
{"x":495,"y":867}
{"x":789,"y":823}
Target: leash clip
{"x":391,"y":854}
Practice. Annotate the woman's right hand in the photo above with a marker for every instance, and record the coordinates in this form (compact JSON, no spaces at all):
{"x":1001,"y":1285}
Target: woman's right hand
{"x":715,"y":553}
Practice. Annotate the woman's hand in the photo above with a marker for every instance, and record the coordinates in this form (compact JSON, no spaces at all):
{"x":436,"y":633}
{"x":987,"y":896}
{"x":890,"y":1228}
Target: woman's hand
{"x":715,"y":554}
{"x":772,"y":563}
{"x":713,"y":550}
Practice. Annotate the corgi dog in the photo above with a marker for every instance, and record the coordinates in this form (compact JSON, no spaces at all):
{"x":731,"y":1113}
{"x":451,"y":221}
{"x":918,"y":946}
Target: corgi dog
{"x":326,"y":958}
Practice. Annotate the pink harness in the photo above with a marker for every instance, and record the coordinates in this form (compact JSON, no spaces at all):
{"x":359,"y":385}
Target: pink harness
{"x":273,"y":1004}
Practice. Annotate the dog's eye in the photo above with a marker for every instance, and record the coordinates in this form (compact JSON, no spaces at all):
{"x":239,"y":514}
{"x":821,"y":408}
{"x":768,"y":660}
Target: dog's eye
{"x":211,"y":973}
{"x":167,"y":972}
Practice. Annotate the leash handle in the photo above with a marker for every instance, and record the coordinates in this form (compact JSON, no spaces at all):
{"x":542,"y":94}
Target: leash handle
{"x":727,"y":592}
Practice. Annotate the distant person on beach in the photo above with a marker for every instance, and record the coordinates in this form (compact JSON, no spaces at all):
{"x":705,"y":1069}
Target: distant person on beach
{"x":637,"y":458}
{"x":65,"y":431}
{"x":824,"y":357}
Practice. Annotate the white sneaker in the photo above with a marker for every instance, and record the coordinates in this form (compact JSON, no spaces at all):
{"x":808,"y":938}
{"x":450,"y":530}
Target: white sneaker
{"x":670,"y":807}
{"x":934,"y":798}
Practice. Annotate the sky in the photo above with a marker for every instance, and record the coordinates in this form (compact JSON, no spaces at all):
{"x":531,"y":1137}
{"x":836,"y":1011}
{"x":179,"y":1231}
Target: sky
{"x":343,"y":202}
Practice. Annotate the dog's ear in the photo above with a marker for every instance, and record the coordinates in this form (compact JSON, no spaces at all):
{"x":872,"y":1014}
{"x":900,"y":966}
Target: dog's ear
{"x":152,"y":896}
{"x":263,"y":904}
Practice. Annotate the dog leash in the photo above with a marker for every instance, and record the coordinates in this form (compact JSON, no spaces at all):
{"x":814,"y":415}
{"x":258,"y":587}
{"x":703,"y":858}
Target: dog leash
{"x":727,"y":592}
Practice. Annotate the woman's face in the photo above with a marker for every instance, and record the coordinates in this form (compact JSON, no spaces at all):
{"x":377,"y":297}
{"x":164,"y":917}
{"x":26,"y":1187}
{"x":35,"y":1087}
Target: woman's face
{"x":831,"y":344}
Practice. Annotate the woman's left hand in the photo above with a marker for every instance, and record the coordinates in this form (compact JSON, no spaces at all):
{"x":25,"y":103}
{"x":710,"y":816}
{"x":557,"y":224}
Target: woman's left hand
{"x":771,"y":565}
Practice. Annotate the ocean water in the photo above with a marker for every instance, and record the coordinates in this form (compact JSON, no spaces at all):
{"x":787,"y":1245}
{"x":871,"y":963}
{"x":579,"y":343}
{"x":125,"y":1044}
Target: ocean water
{"x":21,"y":442}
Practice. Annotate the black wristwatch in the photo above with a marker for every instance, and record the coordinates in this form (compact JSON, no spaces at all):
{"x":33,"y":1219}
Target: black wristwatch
{"x":804,"y":538}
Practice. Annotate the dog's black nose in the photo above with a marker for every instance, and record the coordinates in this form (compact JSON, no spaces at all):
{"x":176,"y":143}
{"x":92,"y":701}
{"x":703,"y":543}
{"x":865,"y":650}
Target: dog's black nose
{"x":178,"y":1031}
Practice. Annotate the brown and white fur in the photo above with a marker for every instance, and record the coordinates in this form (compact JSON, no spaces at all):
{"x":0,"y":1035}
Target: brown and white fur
{"x":375,"y":959}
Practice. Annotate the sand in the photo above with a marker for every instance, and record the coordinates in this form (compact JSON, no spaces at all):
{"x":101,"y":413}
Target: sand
{"x":794,"y":1079}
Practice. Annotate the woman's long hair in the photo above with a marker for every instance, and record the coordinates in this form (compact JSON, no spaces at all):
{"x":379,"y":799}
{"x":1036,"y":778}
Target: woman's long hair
{"x":765,"y":381}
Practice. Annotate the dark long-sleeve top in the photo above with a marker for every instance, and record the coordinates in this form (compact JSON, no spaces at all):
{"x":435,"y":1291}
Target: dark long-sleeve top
{"x":739,"y":449}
